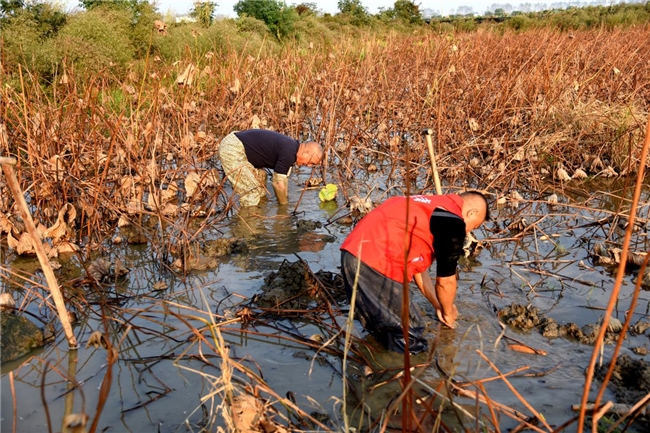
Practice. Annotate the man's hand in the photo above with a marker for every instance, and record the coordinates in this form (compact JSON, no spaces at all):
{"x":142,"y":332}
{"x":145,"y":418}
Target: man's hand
{"x":446,"y":293}
{"x":448,"y":320}
{"x":441,"y":296}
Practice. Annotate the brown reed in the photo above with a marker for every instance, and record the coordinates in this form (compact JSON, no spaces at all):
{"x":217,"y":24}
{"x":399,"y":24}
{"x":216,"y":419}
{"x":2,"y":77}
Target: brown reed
{"x":508,"y":109}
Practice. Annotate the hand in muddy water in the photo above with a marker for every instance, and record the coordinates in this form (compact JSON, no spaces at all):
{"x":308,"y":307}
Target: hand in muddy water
{"x":448,"y":320}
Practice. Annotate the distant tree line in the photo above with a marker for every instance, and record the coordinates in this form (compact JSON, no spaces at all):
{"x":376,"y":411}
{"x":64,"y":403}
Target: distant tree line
{"x":109,"y":35}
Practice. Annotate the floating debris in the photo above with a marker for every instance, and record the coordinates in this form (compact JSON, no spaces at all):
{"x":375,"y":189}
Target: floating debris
{"x":313,"y":182}
{"x":518,"y":225}
{"x":608,"y":172}
{"x":515,"y":198}
{"x":303,"y":225}
{"x":75,"y":423}
{"x":614,"y":324}
{"x":317,"y":338}
{"x":159,"y":286}
{"x":7,"y":302}
{"x":579,"y":174}
{"x":526,"y":349}
{"x":640,"y":327}
{"x":104,"y":271}
{"x":562,"y":175}
{"x":224,"y":247}
{"x":359,"y":206}
{"x":97,"y":339}
{"x":604,"y":256}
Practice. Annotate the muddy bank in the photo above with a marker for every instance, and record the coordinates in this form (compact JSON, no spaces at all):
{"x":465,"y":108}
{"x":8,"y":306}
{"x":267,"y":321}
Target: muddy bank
{"x":295,"y":287}
{"x":527,"y":318}
{"x":630,"y":382}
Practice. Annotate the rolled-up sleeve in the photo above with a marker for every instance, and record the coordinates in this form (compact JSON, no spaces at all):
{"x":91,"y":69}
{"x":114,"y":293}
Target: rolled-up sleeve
{"x":448,"y":232}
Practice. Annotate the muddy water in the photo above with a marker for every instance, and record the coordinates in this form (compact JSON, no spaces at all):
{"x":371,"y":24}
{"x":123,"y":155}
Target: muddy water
{"x":549,"y":268}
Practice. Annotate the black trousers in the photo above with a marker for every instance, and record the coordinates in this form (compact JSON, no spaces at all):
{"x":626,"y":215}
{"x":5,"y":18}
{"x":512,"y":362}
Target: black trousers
{"x":379,"y":306}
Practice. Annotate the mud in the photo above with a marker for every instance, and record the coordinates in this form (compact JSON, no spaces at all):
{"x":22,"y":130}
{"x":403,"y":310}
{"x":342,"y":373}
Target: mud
{"x":303,"y":225}
{"x":205,"y":256}
{"x":630,"y":382}
{"x":526,"y":318}
{"x":295,"y":287}
{"x":223,"y":247}
{"x":19,"y":336}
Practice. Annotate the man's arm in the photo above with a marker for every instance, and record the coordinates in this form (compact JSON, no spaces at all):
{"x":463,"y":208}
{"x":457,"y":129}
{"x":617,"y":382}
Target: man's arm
{"x":448,"y":235}
{"x":441,"y":296}
{"x":424,"y":283}
{"x":280,"y":184}
{"x":446,"y":293}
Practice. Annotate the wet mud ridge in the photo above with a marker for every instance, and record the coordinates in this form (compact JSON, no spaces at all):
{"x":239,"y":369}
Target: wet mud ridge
{"x":630,"y":382}
{"x":526,"y":318}
{"x":295,"y":287}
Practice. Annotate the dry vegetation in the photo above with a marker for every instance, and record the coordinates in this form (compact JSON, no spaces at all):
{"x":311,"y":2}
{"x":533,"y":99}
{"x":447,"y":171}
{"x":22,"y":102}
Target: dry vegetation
{"x":501,"y":107}
{"x":514,"y":111}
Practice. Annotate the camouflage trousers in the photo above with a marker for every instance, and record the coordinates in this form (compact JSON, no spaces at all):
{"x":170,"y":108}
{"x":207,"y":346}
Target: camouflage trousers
{"x":247,"y":181}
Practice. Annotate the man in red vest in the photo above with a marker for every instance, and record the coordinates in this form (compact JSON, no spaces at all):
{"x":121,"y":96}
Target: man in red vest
{"x":397,"y":242}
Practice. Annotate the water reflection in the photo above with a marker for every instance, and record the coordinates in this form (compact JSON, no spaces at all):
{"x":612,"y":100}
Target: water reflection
{"x":544,"y":272}
{"x":271,"y":230}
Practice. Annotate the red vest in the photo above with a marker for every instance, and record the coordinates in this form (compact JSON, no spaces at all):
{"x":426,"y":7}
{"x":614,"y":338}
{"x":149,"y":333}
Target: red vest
{"x":379,"y":239}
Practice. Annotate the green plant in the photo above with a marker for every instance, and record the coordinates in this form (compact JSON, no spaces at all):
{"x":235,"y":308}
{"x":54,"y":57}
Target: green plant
{"x":279,"y":18}
{"x":116,"y":101}
{"x":520,"y":23}
{"x":407,"y":10}
{"x":203,"y":11}
{"x":96,"y":39}
{"x":355,"y":10}
{"x":252,"y":25}
{"x":23,"y":45}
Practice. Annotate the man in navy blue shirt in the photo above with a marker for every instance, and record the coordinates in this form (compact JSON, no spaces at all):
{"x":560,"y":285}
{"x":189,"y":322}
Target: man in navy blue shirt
{"x":245,"y":155}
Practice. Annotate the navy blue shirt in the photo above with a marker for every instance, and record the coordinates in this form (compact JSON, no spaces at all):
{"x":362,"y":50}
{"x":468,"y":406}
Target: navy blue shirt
{"x":269,"y":149}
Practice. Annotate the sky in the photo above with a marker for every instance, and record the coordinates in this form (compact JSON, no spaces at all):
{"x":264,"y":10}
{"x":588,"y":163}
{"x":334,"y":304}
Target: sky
{"x":225,"y":7}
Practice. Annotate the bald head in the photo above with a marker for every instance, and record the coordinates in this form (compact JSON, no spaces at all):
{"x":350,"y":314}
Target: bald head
{"x":475,"y":209}
{"x":309,"y":153}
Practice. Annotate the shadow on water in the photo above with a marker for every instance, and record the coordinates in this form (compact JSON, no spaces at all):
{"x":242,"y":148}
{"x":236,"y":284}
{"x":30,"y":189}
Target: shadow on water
{"x":152,"y":389}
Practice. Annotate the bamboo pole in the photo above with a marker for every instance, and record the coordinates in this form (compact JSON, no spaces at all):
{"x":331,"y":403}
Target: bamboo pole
{"x":12,"y":181}
{"x":432,"y":157}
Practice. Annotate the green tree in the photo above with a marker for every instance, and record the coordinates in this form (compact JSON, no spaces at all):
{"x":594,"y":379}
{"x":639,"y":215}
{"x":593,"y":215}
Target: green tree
{"x":278,"y":17}
{"x":352,"y":7}
{"x":9,"y":8}
{"x":90,"y":4}
{"x":407,"y":10}
{"x":355,"y":10}
{"x":203,"y":11}
{"x":307,"y":9}
{"x":97,"y":39}
{"x":46,"y":18}
{"x":142,"y":16}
